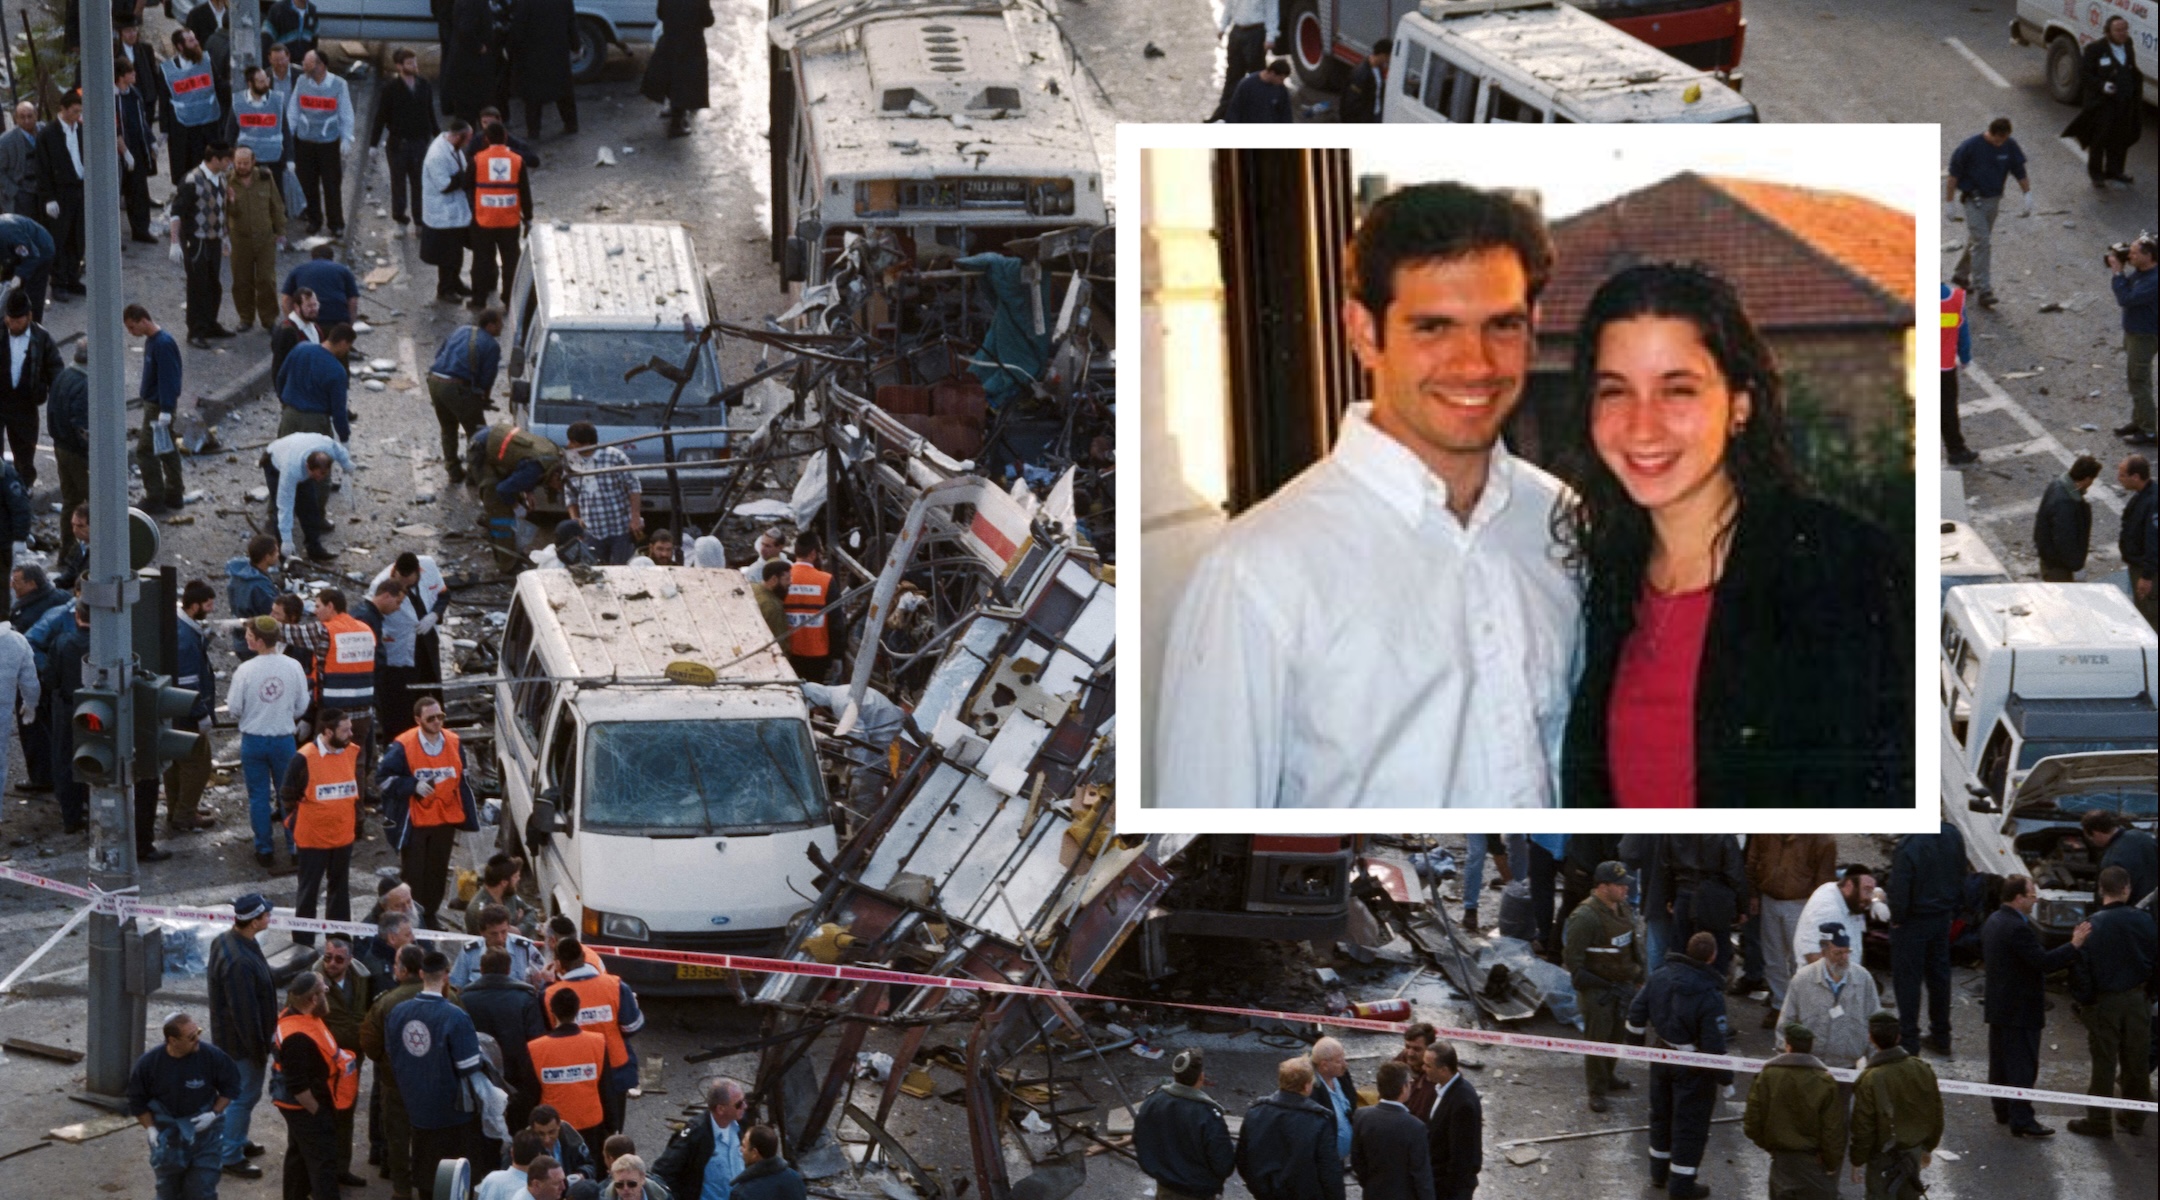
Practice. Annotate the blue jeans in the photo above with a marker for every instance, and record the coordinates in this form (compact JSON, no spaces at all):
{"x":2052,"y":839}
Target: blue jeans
{"x":1657,"y":937}
{"x":263,"y":758}
{"x":242,"y":1109}
{"x":186,"y":1164}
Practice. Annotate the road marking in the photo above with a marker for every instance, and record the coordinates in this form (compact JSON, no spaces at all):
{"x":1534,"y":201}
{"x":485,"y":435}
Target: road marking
{"x":1979,"y":64}
{"x":2042,"y":440}
{"x":2039,"y":445}
{"x":2006,"y":512}
{"x":2076,"y":151}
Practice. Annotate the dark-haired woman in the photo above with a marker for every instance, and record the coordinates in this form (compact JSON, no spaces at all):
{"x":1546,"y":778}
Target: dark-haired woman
{"x":1745,"y":646}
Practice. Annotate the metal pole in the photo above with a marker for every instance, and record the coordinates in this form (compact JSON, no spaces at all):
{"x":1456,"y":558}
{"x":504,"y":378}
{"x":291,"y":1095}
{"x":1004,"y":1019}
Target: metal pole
{"x":116,"y":1019}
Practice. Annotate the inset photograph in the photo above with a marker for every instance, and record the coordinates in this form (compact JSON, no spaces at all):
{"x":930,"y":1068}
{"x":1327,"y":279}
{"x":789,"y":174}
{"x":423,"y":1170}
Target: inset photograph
{"x":1529,"y":469}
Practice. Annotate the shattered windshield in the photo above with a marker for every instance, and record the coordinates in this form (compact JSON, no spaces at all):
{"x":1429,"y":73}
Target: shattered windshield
{"x":581,"y":375}
{"x":704,"y":776}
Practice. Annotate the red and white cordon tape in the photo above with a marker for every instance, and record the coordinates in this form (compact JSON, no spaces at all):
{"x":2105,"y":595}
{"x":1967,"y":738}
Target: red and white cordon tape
{"x":779,"y":966}
{"x":1521,"y":1041}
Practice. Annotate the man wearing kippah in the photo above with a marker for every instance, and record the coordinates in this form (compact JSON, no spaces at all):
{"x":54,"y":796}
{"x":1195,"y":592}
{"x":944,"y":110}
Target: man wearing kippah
{"x":1180,"y":1136}
{"x":243,"y":1021}
{"x":1795,"y":1113}
{"x":268,"y":697}
{"x":1897,"y":1118}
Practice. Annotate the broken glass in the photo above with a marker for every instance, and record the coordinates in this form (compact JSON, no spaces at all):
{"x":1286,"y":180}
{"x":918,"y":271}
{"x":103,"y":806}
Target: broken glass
{"x":701,"y":777}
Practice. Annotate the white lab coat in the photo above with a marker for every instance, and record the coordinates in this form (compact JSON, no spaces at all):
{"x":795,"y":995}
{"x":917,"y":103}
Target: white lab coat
{"x":18,"y":692}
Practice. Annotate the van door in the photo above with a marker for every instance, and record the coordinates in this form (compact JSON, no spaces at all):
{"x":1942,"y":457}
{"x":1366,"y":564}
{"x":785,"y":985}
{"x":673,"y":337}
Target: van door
{"x":1503,"y":106}
{"x":513,"y":750}
{"x":559,"y":771}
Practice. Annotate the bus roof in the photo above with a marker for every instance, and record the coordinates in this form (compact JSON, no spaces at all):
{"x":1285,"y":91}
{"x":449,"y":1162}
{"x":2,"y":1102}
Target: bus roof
{"x":1601,"y":73}
{"x":914,"y":91}
{"x":2050,"y":615}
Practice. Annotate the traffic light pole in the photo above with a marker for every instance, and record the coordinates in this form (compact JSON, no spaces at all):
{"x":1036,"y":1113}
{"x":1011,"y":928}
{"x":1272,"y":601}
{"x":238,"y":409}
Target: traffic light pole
{"x":116,"y":1018}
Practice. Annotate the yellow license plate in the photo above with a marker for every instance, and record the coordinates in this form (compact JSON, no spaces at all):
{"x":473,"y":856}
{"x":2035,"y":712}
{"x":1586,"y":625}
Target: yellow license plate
{"x":691,"y":971}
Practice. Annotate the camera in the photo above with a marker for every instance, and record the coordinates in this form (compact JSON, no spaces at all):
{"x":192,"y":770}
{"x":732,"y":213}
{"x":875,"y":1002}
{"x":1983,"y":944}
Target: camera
{"x":2120,"y":251}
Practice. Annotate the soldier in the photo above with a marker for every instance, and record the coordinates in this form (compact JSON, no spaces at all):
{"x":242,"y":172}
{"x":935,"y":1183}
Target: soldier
{"x":1604,"y":958}
{"x":1683,"y":1008}
{"x":1897,"y":1118}
{"x":508,"y":463}
{"x":1795,"y":1113}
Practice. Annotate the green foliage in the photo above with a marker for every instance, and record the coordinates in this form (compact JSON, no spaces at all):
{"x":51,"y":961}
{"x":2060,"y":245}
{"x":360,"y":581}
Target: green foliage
{"x":1868,"y":469}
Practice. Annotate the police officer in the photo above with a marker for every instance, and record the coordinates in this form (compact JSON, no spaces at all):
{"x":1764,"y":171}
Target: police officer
{"x":1795,"y":1113}
{"x":321,"y":800}
{"x":314,"y":1083}
{"x":1682,"y":1008}
{"x":1602,"y":950}
{"x":2111,"y":982}
{"x":507,"y":463}
{"x":1897,"y":1118}
{"x":434,"y":1051}
{"x":569,"y":1061}
{"x":608,"y":1007}
{"x":178,"y":1092}
{"x":1180,"y":1135}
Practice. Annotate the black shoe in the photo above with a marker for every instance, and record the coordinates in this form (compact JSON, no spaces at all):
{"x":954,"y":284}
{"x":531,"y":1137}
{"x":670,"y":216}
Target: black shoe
{"x":1660,"y":1171}
{"x":35,"y":788}
{"x":321,"y":554}
{"x":144,"y":238}
{"x":2087,"y":1127}
{"x":1989,"y":299}
{"x":266,"y":861}
{"x":476,"y":303}
{"x":1747,"y":987}
{"x":1598,"y":1103}
{"x":337,"y":231}
{"x":313,"y":228}
{"x":2126,"y":429}
{"x":1962,"y":456}
{"x":2139,"y":439}
{"x":1620,"y":1083}
{"x":2097,"y":181}
{"x":254,"y":1150}
{"x":348,"y":1179}
{"x":153,"y":854}
{"x":244,"y":1170}
{"x":2122,"y":179}
{"x":77,"y":827}
{"x":2032,"y":1131}
{"x":217,"y":331}
{"x":1687,"y":1187}
{"x":198,"y":341}
{"x":1940,"y":1045}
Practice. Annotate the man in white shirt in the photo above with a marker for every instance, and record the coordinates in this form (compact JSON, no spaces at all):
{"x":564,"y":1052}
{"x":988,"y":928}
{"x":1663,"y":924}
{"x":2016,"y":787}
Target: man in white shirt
{"x":1246,"y":28}
{"x":1849,"y":899}
{"x":1441,"y":677}
{"x":267,"y":699}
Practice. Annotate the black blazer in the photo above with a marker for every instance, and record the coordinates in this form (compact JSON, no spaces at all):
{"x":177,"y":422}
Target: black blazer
{"x":41,"y":365}
{"x":1361,"y":97}
{"x":55,"y":167}
{"x":2017,"y":970}
{"x":1456,"y":1141}
{"x":1389,"y":1154}
{"x":1804,"y":694}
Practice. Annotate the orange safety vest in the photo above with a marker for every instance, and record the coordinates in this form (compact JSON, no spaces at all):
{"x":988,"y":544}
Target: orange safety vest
{"x":348,"y":664}
{"x":597,"y":996}
{"x":445,"y":805}
{"x":569,"y":1071}
{"x":344,"y":1068}
{"x":496,"y":172}
{"x":1953,"y":319}
{"x":325,"y":819}
{"x":809,"y":591}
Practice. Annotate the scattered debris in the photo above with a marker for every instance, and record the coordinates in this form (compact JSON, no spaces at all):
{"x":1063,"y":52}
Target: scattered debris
{"x":40,"y":1049}
{"x":95,"y":1127}
{"x":606,"y":158}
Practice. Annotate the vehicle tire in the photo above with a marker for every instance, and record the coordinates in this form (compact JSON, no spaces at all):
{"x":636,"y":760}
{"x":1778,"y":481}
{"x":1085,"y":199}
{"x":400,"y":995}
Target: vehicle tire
{"x":2065,"y":69}
{"x":591,"y":52}
{"x":1316,"y":68}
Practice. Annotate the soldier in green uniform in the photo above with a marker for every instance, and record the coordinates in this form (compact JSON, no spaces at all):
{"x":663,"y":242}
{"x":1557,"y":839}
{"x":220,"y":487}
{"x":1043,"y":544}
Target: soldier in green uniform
{"x":1602,"y":950}
{"x":1794,"y":1112}
{"x":510,"y":463}
{"x":1897,"y":1116}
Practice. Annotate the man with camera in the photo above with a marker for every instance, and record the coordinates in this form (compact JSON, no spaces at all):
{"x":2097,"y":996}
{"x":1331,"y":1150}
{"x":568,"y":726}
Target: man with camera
{"x":2137,"y":290}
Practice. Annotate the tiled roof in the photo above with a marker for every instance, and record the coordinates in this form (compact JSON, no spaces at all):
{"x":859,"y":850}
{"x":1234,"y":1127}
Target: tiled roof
{"x":1800,"y":258}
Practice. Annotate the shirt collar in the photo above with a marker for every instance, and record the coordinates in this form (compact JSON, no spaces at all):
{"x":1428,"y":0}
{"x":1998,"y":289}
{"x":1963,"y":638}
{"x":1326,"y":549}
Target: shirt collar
{"x":1397,"y":475}
{"x":1397,"y":1103}
{"x":583,"y":971}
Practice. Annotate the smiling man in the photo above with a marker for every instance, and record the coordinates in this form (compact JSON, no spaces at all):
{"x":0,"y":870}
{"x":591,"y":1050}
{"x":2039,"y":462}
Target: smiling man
{"x":1394,"y":628}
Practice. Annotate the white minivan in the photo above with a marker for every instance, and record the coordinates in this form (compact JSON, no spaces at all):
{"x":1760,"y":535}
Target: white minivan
{"x":1531,"y":62}
{"x":658,"y":814}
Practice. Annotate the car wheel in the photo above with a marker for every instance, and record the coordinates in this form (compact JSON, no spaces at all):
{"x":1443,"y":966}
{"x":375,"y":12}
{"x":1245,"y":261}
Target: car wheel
{"x":591,"y":52}
{"x":2065,"y":70}
{"x":1309,"y":50}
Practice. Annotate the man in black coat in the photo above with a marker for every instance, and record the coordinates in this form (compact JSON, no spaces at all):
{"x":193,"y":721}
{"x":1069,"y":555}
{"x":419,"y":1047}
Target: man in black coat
{"x":1367,"y":89}
{"x":59,"y":152}
{"x":2122,"y":845}
{"x":243,"y":1021}
{"x":23,"y":390}
{"x":2062,"y":529}
{"x":2016,"y":998}
{"x":469,"y":60}
{"x":138,"y":110}
{"x":677,"y":76}
{"x":1927,"y":882}
{"x":1389,"y":1149}
{"x":1682,"y":1007}
{"x":1286,"y":1148}
{"x":1180,"y":1136}
{"x":542,"y":34}
{"x":2108,"y":124}
{"x":1706,"y":878}
{"x":681,"y":1165}
{"x":508,"y":1010}
{"x":1455,"y":1128}
{"x":1261,"y":98}
{"x":2139,"y":541}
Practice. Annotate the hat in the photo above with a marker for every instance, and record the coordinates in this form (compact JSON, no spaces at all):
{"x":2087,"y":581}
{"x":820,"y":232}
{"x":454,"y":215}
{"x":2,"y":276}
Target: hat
{"x":1798,"y":1036}
{"x":1187,"y":1065}
{"x":1883,"y":1021}
{"x":249,"y":907}
{"x":1835,"y":933}
{"x":775,"y":534}
{"x":1610,"y":872}
{"x":266,"y":627}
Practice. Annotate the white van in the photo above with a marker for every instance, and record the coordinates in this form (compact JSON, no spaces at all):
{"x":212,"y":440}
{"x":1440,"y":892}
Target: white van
{"x":589,"y":303}
{"x":2064,"y":28}
{"x":1532,"y":62}
{"x":660,"y":814}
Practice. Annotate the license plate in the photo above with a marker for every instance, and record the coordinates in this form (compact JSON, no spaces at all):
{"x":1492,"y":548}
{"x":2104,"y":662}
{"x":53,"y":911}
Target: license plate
{"x":691,"y":971}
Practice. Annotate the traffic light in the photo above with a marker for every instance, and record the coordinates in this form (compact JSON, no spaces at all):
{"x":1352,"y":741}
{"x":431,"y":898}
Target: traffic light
{"x":157,"y":703}
{"x":98,"y":749}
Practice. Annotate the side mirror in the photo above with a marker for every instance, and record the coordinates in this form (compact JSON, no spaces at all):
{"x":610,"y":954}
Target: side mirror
{"x":795,"y":260}
{"x":520,"y":392}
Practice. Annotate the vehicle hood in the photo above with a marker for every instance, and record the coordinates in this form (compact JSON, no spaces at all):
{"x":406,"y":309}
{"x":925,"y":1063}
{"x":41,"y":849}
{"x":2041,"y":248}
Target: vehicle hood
{"x":685,"y":885}
{"x":2062,"y":775}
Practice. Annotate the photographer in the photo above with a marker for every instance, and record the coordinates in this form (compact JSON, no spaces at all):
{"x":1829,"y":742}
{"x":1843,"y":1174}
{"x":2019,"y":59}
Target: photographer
{"x":2137,"y":289}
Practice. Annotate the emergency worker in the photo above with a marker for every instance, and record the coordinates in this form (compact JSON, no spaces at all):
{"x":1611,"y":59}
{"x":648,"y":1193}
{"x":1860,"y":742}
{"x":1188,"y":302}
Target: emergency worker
{"x":570,"y":1060}
{"x":502,"y":207}
{"x":426,"y":800}
{"x":1603,"y":953}
{"x":346,"y":676}
{"x":608,"y":1007}
{"x":809,"y":646}
{"x":1682,"y":1008}
{"x":314,"y":1084}
{"x":320,"y":797}
{"x":507,"y":463}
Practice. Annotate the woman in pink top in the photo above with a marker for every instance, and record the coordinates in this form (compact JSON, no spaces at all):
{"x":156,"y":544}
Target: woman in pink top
{"x":1745,"y":646}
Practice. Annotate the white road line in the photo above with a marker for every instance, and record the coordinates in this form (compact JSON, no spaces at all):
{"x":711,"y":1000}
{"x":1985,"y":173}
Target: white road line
{"x":2047,"y":442}
{"x":1979,"y":64}
{"x":2006,"y":512}
{"x":1973,"y":408}
{"x":2076,"y":151}
{"x":2039,"y":445}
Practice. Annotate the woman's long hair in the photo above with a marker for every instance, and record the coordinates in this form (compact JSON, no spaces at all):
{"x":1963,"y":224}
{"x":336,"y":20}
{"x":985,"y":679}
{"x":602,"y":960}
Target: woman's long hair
{"x":1606,"y":534}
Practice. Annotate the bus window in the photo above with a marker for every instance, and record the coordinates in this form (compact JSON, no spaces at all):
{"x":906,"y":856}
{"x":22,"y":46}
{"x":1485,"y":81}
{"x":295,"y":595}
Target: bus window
{"x":1507,"y":109}
{"x":1444,"y":84}
{"x":1413,"y":70}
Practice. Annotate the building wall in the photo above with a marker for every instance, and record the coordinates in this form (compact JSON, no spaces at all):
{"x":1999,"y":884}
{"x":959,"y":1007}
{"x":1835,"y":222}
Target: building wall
{"x":1861,"y":375}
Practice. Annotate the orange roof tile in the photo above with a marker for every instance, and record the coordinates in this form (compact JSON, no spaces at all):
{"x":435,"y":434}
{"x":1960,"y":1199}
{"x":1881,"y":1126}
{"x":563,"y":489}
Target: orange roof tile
{"x":1869,"y":238}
